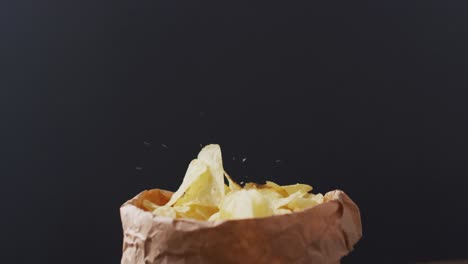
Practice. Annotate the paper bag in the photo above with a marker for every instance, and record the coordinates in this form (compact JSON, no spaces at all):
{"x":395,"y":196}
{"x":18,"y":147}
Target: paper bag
{"x":322,"y":234}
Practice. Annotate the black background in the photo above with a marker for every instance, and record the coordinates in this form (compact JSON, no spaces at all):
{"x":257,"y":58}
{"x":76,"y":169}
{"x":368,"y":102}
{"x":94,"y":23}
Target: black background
{"x":367,"y":97}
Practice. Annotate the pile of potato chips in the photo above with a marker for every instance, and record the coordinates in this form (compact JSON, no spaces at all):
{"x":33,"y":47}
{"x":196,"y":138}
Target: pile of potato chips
{"x":203,"y":194}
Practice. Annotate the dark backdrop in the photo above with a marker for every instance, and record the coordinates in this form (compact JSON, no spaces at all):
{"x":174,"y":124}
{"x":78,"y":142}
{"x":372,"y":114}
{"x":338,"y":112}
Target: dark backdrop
{"x":363,"y":96}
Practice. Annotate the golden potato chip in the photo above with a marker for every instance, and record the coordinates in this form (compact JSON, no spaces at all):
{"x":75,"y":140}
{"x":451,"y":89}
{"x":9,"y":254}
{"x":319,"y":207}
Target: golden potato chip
{"x":181,"y":209}
{"x":283,"y":202}
{"x":244,"y":204}
{"x":195,"y":211}
{"x":296,"y":188}
{"x":232,"y":184}
{"x":270,"y":194}
{"x":165,"y":211}
{"x":214,"y":217}
{"x":281,"y":211}
{"x":318,"y":197}
{"x":226,"y":189}
{"x":277,"y":188}
{"x":202,"y":191}
{"x":211,"y":155}
{"x":301,"y":203}
{"x":203,"y":182}
{"x":194,"y":171}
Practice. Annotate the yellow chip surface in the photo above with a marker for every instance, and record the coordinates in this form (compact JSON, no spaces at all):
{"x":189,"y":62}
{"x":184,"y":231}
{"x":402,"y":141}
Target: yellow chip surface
{"x":202,"y":191}
{"x":299,"y":187}
{"x":165,"y":211}
{"x":301,"y":203}
{"x":194,"y":171}
{"x":245,"y":204}
{"x":195,"y":211}
{"x":211,"y":155}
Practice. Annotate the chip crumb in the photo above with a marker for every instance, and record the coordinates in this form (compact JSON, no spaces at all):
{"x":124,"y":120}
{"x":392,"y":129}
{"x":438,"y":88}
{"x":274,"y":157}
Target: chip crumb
{"x":233,"y":157}
{"x":146,"y":143}
{"x":139,"y":168}
{"x":244,"y":159}
{"x":201,"y":145}
{"x":277,"y":161}
{"x":164,"y":146}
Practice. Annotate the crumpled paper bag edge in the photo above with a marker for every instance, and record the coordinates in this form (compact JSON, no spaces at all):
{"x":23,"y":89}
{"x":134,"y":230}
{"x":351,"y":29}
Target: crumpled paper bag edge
{"x":350,"y":224}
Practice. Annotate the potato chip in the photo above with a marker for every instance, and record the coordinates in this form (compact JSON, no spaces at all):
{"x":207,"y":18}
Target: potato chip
{"x":211,"y":155}
{"x":284,"y":202}
{"x":204,"y":180}
{"x":296,"y":188}
{"x":281,"y":211}
{"x":194,"y":171}
{"x":165,"y":211}
{"x":274,"y":196}
{"x":232,"y":184}
{"x":302,"y":203}
{"x":201,"y":192}
{"x":244,"y":204}
{"x":195,"y":211}
{"x":236,"y":204}
{"x":214,"y":217}
{"x":226,"y":189}
{"x":277,"y":188}
{"x":318,"y":197}
{"x":270,"y":194}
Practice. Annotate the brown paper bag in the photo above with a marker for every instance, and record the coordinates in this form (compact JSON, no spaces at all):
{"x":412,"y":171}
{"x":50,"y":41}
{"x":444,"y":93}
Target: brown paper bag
{"x":322,"y":234}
